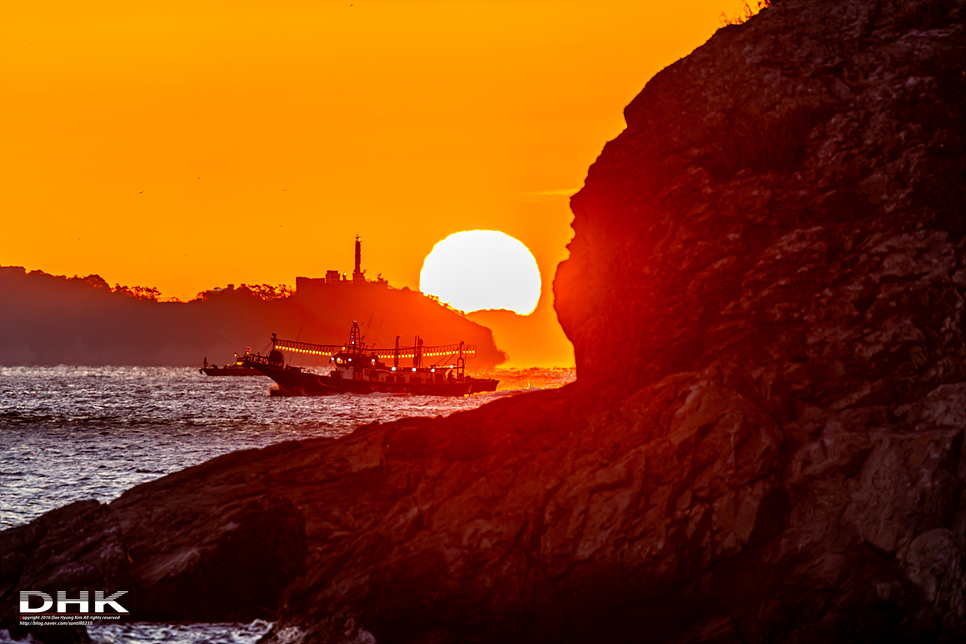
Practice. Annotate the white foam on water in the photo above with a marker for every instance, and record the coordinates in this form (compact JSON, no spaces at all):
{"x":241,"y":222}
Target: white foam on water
{"x":160,"y":633}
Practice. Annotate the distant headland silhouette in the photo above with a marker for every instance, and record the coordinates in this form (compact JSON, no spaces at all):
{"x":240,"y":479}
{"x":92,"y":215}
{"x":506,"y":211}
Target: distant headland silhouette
{"x":53,"y":319}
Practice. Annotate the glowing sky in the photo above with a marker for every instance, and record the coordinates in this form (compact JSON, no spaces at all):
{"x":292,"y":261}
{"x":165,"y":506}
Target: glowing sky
{"x":188,"y":145}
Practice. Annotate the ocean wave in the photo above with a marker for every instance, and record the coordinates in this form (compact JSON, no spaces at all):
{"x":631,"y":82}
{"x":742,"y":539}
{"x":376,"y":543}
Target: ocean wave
{"x":73,"y":433}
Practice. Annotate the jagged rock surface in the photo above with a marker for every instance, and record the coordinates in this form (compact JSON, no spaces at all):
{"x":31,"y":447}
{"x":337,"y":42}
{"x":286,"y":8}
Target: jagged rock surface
{"x":193,"y":545}
{"x":766,"y":439}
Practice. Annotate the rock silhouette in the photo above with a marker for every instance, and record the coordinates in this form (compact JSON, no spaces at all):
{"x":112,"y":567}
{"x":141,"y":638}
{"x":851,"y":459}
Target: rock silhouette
{"x":766,"y":438}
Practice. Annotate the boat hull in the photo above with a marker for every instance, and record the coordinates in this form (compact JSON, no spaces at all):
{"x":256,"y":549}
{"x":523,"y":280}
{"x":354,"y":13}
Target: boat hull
{"x":296,"y":382}
{"x":230,"y":371}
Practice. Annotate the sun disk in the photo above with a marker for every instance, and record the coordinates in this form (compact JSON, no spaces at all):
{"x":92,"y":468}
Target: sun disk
{"x":482,"y":269}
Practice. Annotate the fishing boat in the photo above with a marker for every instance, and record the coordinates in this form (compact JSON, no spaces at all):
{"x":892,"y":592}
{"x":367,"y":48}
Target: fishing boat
{"x":239,"y":368}
{"x":356,"y":368}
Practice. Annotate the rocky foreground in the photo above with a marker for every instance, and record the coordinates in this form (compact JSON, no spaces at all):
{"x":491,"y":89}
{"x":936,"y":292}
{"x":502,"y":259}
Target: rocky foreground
{"x":766,"y":439}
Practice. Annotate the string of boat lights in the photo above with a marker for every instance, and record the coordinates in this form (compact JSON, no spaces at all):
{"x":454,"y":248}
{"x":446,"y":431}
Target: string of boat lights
{"x":469,"y":350}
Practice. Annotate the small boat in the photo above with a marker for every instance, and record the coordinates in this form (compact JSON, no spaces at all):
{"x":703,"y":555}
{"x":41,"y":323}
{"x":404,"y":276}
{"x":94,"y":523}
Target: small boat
{"x":360,"y":370}
{"x":240,"y":368}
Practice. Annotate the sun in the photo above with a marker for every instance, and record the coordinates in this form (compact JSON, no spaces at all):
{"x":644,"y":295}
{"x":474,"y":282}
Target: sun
{"x":482,"y":269}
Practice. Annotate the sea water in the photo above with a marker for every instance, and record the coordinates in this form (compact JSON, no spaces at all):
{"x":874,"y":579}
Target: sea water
{"x":74,"y":433}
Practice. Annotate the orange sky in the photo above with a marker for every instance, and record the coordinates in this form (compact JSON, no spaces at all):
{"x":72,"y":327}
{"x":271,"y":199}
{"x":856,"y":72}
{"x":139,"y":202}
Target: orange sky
{"x":188,"y":145}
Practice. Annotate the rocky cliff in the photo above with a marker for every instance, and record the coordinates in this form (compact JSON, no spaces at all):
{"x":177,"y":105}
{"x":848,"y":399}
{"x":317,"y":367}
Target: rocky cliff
{"x":766,"y":439}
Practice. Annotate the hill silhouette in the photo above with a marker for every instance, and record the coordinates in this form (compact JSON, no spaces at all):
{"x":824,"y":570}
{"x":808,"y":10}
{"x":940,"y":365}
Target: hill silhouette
{"x":527,"y":340}
{"x":50,"y":320}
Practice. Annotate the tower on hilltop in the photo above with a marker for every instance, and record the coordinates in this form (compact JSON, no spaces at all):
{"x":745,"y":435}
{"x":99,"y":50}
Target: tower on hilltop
{"x":357,"y":275}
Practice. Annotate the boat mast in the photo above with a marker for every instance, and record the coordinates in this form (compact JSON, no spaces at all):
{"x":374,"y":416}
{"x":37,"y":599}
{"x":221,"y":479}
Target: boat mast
{"x":354,"y":338}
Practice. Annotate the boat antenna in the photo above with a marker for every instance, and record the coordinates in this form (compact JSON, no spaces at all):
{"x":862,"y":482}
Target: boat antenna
{"x":368,"y":325}
{"x":380,"y":325}
{"x":300,"y":329}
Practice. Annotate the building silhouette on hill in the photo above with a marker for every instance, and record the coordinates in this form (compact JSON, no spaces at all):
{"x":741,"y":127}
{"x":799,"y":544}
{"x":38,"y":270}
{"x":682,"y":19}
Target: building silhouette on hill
{"x":335,"y":278}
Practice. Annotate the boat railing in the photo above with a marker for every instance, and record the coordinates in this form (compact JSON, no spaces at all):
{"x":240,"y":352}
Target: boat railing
{"x":441,"y":351}
{"x":257,"y":358}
